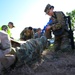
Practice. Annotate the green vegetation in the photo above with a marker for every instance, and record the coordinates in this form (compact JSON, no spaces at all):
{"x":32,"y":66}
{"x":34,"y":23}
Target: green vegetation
{"x":72,"y":15}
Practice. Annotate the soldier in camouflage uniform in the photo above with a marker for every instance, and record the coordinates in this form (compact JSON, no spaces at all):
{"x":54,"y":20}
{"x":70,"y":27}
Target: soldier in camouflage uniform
{"x":31,"y":51}
{"x":58,"y":27}
{"x":26,"y":34}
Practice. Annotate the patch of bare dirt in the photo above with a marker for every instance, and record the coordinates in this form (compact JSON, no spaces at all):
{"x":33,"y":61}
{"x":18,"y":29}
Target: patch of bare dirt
{"x":57,"y":64}
{"x":52,"y":64}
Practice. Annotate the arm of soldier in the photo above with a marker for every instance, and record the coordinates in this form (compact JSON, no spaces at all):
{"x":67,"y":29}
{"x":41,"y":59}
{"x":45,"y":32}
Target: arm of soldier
{"x":62,"y":19}
{"x":48,"y":32}
{"x":48,"y":28}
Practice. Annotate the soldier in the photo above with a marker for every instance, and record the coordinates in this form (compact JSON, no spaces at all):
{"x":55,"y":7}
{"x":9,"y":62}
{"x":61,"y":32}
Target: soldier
{"x":58,"y":27}
{"x":26,"y":34}
{"x":31,"y":51}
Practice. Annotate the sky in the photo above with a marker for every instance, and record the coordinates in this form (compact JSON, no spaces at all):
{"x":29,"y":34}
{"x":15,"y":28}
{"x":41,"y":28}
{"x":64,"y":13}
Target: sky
{"x":24,"y":13}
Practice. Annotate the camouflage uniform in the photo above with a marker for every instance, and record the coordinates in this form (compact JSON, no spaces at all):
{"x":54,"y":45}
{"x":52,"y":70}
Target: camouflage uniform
{"x":59,"y":29}
{"x":31,"y":51}
{"x":26,"y":34}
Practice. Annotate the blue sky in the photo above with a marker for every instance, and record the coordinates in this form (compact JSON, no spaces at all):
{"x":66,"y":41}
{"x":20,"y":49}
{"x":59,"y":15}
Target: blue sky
{"x":30,"y":12}
{"x":24,"y":13}
{"x":11,"y":10}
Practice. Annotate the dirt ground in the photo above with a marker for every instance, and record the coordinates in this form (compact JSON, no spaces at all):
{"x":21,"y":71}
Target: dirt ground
{"x":51,"y":64}
{"x":57,"y":64}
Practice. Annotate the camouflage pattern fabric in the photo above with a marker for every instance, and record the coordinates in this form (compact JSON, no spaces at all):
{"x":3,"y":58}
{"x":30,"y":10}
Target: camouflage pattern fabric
{"x":62,"y":43}
{"x":26,"y":34}
{"x":58,"y":22}
{"x":61,"y":36}
{"x":47,"y":8}
{"x":31,"y":51}
{"x":36,"y":35}
{"x":59,"y":29}
{"x":58,"y":25}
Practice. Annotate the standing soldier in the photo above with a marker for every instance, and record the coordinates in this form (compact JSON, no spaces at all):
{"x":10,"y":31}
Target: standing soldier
{"x":58,"y":27}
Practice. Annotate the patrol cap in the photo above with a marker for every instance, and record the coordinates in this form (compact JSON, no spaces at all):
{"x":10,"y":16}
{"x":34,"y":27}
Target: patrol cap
{"x":47,"y":8}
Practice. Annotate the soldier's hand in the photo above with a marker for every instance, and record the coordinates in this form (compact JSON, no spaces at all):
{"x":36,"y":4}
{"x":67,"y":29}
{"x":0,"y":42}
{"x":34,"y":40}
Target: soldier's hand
{"x":48,"y":27}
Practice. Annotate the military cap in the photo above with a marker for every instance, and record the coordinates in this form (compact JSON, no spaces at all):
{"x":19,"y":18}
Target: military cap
{"x":47,"y":8}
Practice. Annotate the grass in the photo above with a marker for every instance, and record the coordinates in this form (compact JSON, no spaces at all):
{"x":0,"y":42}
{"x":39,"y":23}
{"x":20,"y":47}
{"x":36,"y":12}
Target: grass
{"x":51,"y":47}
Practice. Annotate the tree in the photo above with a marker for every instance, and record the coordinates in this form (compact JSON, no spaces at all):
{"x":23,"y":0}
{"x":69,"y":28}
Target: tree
{"x":72,"y":15}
